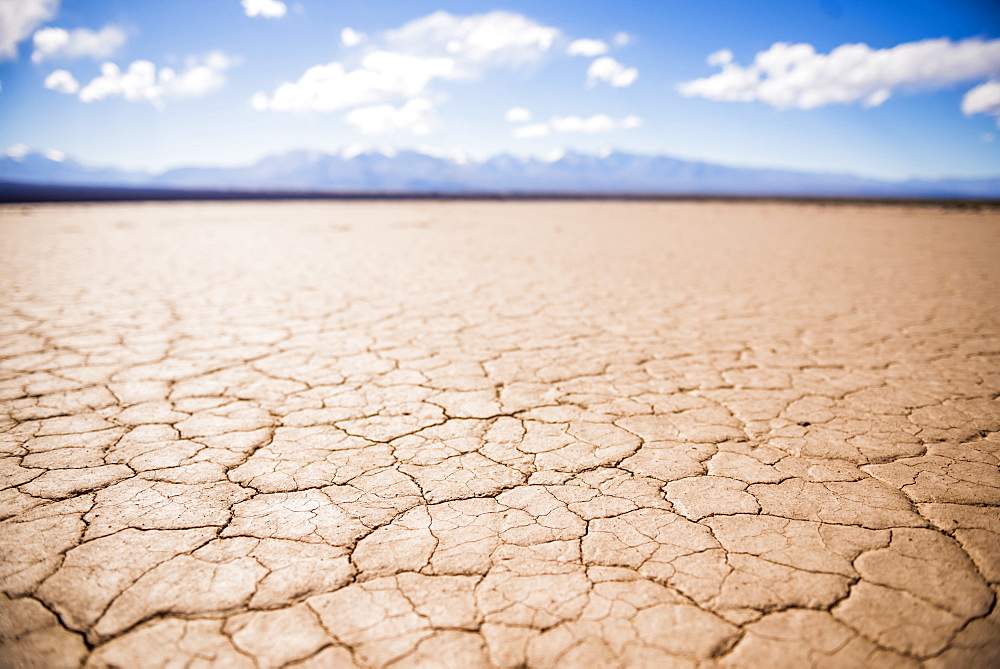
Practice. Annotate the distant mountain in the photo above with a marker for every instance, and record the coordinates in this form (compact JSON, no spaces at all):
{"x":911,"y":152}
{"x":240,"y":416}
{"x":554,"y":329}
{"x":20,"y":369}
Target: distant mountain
{"x":420,"y":173}
{"x":36,"y":168}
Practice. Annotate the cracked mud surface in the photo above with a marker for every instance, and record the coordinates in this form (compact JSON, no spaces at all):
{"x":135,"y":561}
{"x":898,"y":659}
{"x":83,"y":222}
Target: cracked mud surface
{"x":498,"y":435}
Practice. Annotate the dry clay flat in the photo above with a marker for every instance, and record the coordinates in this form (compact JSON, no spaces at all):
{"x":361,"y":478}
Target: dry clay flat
{"x":479,"y":434}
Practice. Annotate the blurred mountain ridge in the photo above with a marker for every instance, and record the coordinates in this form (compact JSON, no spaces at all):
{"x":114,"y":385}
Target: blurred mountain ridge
{"x":380,"y":171}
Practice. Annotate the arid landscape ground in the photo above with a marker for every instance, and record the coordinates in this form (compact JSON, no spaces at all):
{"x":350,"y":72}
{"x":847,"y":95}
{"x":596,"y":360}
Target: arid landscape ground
{"x":477,"y":434}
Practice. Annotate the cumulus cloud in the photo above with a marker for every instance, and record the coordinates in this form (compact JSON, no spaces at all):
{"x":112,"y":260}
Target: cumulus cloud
{"x":495,"y":38}
{"x":531,"y":131}
{"x":555,"y":155}
{"x":595,"y":123}
{"x":610,"y":70}
{"x":268,"y":9}
{"x":56,"y":43}
{"x":18,"y":19}
{"x":416,"y":116}
{"x":983,"y":99}
{"x":143,"y":82}
{"x":437,"y":46}
{"x":18,"y":151}
{"x":403,"y":63}
{"x":720,"y":58}
{"x":795,"y":75}
{"x":350,"y":37}
{"x":62,"y":81}
{"x":577,"y":124}
{"x":517,"y":115}
{"x":621,"y":39}
{"x":587,"y":47}
{"x":383,"y":75}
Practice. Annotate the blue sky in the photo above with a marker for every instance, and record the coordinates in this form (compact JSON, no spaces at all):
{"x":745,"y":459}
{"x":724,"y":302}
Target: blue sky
{"x":154,"y":85}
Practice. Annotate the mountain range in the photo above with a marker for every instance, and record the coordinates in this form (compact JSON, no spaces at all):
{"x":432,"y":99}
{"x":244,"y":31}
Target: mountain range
{"x":414,"y":172}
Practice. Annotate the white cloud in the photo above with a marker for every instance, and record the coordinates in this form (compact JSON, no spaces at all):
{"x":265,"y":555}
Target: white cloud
{"x":62,"y":81}
{"x":383,"y":75}
{"x":987,"y":137}
{"x":496,"y":38}
{"x":587,"y":47}
{"x":350,"y":37}
{"x":794,"y":75}
{"x":137,"y":83}
{"x":56,"y":42}
{"x":577,"y":124}
{"x":142,"y":82}
{"x":554,"y":155}
{"x":416,"y":116}
{"x":983,"y":99}
{"x":595,"y":123}
{"x":610,"y":70}
{"x":18,"y":151}
{"x":269,"y":9}
{"x":720,"y":57}
{"x":517,"y":115}
{"x":621,"y":39}
{"x":530,"y":131}
{"x":439,"y":46}
{"x":18,"y":19}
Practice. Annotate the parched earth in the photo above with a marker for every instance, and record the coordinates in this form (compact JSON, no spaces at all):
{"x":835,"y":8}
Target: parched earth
{"x":499,"y":434}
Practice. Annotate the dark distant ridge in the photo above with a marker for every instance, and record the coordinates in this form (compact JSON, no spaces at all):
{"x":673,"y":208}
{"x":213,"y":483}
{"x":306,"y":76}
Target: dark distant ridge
{"x":414,"y":174}
{"x":19,"y":193}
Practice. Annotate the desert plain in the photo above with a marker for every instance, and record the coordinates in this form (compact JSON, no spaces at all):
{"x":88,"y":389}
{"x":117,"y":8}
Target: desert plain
{"x":499,"y":434}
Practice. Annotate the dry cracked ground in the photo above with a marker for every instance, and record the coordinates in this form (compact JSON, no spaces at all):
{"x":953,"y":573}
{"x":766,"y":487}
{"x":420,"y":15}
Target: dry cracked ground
{"x":499,"y":435}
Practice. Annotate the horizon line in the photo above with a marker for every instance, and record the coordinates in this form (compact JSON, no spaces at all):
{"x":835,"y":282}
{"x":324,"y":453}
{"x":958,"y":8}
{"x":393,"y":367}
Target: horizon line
{"x":12,"y":193}
{"x":352,"y":151}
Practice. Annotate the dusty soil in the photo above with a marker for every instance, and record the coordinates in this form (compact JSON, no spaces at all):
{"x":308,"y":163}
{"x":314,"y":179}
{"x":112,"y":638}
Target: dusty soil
{"x":499,"y":434}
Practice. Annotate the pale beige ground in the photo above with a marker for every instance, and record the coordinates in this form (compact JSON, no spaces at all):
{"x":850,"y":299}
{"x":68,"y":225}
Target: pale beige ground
{"x":499,"y":434}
